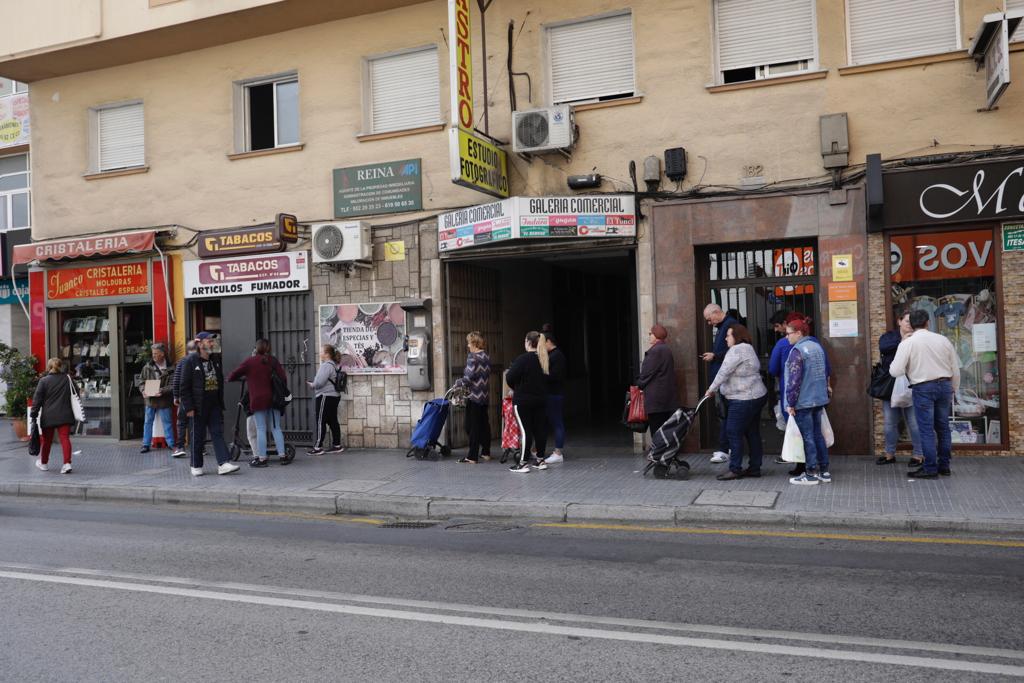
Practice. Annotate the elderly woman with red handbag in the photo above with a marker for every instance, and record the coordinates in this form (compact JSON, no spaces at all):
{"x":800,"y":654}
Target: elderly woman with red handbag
{"x":52,"y":406}
{"x":658,"y":380}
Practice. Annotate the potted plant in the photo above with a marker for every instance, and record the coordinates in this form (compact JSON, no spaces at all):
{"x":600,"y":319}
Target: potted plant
{"x":18,"y":372}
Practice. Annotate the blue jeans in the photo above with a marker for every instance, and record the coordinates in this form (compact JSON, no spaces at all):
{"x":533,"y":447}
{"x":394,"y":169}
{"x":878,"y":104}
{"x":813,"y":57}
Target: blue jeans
{"x":892,"y":427}
{"x":744,"y":421}
{"x":815,"y":451}
{"x":147,"y":427}
{"x":933,"y":402}
{"x":555,"y":419}
{"x":265,"y":418}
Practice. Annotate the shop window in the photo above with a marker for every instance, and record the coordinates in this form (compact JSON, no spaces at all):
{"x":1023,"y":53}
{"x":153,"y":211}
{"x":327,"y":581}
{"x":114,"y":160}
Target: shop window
{"x":15,"y":193}
{"x":580,"y":72}
{"x":9,"y":87}
{"x":85,"y":349}
{"x":883,"y":30}
{"x":952,"y":276}
{"x":403,"y":90}
{"x":118,"y":135}
{"x":268,"y":112}
{"x":757,"y":40}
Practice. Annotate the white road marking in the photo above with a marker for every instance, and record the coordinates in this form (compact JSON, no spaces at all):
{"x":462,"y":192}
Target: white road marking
{"x":885,"y":643}
{"x":544,"y":628}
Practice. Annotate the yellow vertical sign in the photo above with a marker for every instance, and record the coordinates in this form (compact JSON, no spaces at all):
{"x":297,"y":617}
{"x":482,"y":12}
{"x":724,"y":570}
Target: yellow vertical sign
{"x":460,"y":43}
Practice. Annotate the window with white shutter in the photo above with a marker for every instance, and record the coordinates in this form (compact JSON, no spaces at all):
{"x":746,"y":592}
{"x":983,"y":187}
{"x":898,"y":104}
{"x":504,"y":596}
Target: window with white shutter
{"x":1016,"y":5}
{"x":764,"y":38}
{"x":591,"y":59}
{"x":884,"y":30}
{"x":403,"y":91}
{"x":120,"y":137}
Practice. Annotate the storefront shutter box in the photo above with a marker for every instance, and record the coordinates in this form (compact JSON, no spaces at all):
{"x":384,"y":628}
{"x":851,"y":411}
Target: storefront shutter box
{"x":404,"y":91}
{"x":591,"y":59}
{"x":121,"y":137}
{"x":881,"y":30}
{"x":754,"y":33}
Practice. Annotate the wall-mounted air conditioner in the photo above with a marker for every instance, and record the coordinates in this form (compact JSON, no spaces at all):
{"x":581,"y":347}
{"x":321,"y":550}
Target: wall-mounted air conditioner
{"x":548,"y":129}
{"x":337,"y":242}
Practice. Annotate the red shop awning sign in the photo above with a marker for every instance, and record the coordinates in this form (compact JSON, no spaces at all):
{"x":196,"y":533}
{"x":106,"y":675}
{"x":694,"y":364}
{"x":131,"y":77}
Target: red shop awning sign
{"x":81,"y":247}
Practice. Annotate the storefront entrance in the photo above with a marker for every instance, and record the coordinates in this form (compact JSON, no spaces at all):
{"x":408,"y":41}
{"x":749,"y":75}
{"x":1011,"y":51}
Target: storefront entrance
{"x":752,"y":283}
{"x":588,"y":296}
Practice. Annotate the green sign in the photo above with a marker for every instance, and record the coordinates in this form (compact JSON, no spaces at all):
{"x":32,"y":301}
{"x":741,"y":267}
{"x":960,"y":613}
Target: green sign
{"x":1013,"y":236}
{"x":391,"y":187}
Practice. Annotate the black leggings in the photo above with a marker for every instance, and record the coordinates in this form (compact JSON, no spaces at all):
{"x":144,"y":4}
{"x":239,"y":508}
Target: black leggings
{"x":327,"y":417}
{"x":478,"y":427}
{"x":533,"y":429}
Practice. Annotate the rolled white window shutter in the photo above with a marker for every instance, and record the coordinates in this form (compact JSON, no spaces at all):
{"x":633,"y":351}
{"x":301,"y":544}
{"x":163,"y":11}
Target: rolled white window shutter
{"x":760,"y":32}
{"x":592,"y":59}
{"x":405,"y":91}
{"x":883,"y":30}
{"x":1012,"y":5}
{"x":122,"y":142}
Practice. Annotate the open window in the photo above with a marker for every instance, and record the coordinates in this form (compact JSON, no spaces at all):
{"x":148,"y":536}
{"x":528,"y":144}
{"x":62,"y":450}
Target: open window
{"x":757,"y":40}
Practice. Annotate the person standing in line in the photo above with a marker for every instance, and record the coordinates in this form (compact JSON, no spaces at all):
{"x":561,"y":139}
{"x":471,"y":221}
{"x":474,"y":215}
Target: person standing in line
{"x":158,"y":369}
{"x":183,"y":434}
{"x":740,"y":382}
{"x":326,"y":390}
{"x":558,"y":368}
{"x":888,"y":343}
{"x":716,"y":317}
{"x":931,"y":365}
{"x":476,"y":378}
{"x":806,"y":395}
{"x":658,"y":380}
{"x":51,"y":405}
{"x":202,"y":399}
{"x":258,"y":371}
{"x":527,"y":377}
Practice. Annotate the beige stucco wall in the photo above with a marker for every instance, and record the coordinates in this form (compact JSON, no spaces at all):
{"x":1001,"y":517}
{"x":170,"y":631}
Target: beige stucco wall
{"x":189,"y":121}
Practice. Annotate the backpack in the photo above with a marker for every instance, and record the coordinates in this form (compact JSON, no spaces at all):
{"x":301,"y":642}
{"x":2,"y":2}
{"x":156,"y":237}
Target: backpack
{"x":281,"y":395}
{"x":340,"y":380}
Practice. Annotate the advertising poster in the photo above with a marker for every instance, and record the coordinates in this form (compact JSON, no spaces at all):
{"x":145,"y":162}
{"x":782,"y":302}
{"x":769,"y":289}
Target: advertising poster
{"x":369,"y":337}
{"x":14,"y":120}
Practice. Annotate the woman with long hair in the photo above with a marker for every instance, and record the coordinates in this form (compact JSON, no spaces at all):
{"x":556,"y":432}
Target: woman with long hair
{"x":51,"y":404}
{"x":887,"y":345}
{"x":528,"y":378}
{"x":258,"y":370}
{"x":326,"y":385}
{"x":558,"y":369}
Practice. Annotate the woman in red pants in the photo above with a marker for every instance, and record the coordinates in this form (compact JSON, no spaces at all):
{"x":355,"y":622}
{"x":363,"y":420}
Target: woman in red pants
{"x":52,"y":406}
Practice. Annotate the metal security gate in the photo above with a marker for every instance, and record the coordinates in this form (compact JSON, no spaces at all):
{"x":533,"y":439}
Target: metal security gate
{"x":753,"y":282}
{"x":287,"y":321}
{"x":473,"y":303}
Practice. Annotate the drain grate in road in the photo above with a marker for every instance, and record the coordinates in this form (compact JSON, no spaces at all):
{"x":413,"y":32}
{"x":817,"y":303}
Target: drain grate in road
{"x":407,"y":525}
{"x":482,"y":527}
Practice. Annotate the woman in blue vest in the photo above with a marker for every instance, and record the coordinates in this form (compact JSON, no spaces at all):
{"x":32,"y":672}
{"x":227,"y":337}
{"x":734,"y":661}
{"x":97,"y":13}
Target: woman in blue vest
{"x":806,"y":395}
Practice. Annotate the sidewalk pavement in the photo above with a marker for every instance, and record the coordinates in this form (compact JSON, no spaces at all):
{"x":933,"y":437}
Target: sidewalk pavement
{"x":984,"y":495}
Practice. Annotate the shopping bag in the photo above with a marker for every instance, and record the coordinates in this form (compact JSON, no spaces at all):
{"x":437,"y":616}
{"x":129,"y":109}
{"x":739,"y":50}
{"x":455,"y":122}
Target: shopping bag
{"x":902,"y":396}
{"x":826,"y":430}
{"x":633,"y":415}
{"x":793,"y":442}
{"x":34,"y":445}
{"x":76,"y":402}
{"x":881,"y":383}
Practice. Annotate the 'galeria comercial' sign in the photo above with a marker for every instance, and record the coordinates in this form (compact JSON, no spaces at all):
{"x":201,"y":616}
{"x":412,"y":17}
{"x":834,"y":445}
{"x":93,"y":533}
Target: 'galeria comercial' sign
{"x":580,"y":217}
{"x":238,"y":276}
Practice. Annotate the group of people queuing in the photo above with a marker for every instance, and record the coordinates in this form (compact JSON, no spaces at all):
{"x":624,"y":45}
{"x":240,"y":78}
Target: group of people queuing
{"x":537,"y":382}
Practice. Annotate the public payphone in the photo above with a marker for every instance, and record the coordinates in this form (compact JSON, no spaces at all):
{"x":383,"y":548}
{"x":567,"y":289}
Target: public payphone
{"x":417,"y":344}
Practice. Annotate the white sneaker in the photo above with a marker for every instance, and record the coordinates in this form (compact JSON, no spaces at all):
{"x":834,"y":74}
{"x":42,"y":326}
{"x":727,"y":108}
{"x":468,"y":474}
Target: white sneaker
{"x":539,"y":465}
{"x":65,"y":468}
{"x":40,"y":465}
{"x":524,"y":469}
{"x":196,"y":471}
{"x":227,"y":468}
{"x":719,"y":456}
{"x":554,"y":459}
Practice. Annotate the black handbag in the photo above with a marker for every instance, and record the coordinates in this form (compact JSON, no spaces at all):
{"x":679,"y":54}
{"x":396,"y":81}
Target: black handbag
{"x":34,"y":446}
{"x":881,"y":384}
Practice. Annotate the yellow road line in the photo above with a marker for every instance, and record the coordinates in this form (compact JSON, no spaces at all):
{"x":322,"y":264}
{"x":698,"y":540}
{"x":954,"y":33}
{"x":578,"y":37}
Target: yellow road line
{"x":296,"y":515}
{"x":783,"y":534}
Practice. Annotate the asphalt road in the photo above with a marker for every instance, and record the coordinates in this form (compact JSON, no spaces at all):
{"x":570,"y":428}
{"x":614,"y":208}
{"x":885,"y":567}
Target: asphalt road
{"x":124,"y":593}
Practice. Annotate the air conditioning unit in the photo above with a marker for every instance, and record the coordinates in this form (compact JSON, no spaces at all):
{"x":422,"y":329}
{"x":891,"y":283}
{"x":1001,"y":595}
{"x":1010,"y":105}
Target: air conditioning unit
{"x":341,"y":242}
{"x":543,"y":130}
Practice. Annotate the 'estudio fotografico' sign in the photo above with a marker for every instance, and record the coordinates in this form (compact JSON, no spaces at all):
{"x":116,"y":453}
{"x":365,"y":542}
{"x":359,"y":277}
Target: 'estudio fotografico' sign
{"x":271,"y":274}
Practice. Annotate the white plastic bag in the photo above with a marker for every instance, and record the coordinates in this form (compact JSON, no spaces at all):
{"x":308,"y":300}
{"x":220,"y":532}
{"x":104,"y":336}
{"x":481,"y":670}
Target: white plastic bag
{"x":826,"y":430}
{"x":793,"y":442}
{"x":901,"y":393}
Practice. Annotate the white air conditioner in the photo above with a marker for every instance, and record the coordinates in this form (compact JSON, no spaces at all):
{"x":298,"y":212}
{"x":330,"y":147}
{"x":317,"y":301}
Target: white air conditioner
{"x":543,"y":130}
{"x":341,"y":242}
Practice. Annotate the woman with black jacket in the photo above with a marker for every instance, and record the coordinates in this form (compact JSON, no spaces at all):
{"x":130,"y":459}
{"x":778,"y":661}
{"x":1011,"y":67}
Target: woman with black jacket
{"x":51,"y":404}
{"x":558,"y":368}
{"x":658,"y":380}
{"x":887,"y":345}
{"x":528,"y":378}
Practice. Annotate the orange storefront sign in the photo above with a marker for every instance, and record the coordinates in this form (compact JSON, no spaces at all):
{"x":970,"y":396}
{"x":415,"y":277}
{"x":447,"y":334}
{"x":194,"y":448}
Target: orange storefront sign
{"x":942,"y":255}
{"x":793,"y":262}
{"x":121,"y":279}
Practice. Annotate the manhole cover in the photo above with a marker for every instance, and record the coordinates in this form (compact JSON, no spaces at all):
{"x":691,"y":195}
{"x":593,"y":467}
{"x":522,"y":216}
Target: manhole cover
{"x":407,"y":525}
{"x":482,"y":527}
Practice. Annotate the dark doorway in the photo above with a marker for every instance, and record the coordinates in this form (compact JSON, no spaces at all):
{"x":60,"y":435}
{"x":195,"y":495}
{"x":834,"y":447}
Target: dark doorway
{"x":135,"y":330}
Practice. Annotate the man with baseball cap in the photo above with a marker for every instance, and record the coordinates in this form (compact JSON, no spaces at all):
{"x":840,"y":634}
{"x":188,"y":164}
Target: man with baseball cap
{"x":202,"y":399}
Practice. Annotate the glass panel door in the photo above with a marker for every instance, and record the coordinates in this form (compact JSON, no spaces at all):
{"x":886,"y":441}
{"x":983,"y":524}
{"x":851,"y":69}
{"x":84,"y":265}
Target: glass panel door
{"x":136,"y":332}
{"x":84,"y":346}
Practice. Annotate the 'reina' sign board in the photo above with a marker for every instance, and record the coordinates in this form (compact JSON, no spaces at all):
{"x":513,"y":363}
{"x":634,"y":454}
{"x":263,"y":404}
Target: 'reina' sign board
{"x":238,"y":276}
{"x":579,"y":217}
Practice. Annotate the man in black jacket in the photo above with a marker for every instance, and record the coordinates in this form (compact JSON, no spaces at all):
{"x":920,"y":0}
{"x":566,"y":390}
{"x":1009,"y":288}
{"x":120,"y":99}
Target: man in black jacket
{"x":180,"y":451}
{"x":201,"y":396}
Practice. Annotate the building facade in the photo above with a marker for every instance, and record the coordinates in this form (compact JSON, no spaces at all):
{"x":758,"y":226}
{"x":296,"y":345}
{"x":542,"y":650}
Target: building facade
{"x":195,"y":120}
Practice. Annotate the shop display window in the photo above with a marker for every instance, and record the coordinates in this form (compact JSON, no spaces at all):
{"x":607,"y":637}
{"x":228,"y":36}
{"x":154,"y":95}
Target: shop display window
{"x":952,"y":276}
{"x":85,"y":350}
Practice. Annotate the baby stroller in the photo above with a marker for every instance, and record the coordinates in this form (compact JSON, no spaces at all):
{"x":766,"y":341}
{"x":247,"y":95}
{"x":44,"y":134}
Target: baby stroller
{"x":666,"y":444}
{"x":425,"y":434}
{"x":240,"y":446}
{"x":509,"y":430}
